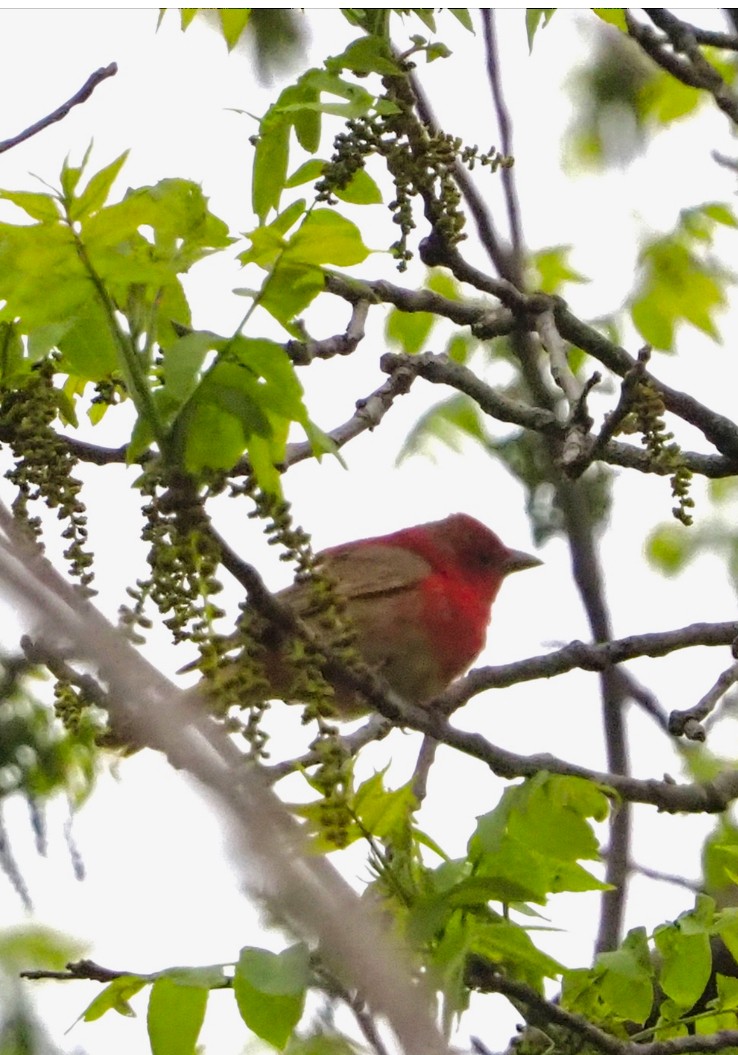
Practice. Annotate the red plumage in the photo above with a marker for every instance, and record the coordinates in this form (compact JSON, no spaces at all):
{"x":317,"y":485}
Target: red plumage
{"x":419,"y":600}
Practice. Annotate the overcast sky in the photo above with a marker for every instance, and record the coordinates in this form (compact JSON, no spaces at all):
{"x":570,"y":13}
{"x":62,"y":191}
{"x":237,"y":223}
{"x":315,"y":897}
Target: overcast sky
{"x":158,"y":890}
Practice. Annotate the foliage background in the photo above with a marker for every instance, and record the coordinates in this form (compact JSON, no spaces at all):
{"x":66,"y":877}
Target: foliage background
{"x":596,"y":216}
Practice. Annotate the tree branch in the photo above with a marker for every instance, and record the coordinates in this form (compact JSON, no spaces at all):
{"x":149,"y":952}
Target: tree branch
{"x":712,"y":796}
{"x":580,"y":656}
{"x":492,"y":63}
{"x":301,"y":888}
{"x":697,"y":71}
{"x":544,"y":1012}
{"x":61,"y":112}
{"x":369,"y":413}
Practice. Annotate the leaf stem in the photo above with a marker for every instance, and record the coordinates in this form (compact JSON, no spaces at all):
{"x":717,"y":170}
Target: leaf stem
{"x":135,"y":376}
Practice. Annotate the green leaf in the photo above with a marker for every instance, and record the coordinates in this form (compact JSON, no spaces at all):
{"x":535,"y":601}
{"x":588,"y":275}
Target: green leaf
{"x":625,"y":983}
{"x":536,"y":835}
{"x":268,"y":242}
{"x":322,"y":443}
{"x":443,"y":282}
{"x":245,"y":402}
{"x":289,"y":217}
{"x":89,"y":350}
{"x":41,"y":207}
{"x":98,"y":187}
{"x":409,"y":329}
{"x":686,"y":962}
{"x":721,"y":213}
{"x":301,"y":102}
{"x":279,"y":386}
{"x":459,"y":349}
{"x":308,"y":172}
{"x":618,"y":988}
{"x":214,"y":440}
{"x":727,"y":993}
{"x":270,"y":991}
{"x":358,"y":102}
{"x":437,"y":50}
{"x":175,"y":1015}
{"x":669,"y":548}
{"x":233,"y":21}
{"x":184,"y":231}
{"x":290,"y":289}
{"x":182,"y":362}
{"x":115,"y":997}
{"x":370,"y":54}
{"x":463,"y":16}
{"x":41,"y":277}
{"x":676,"y":285}
{"x":35,"y":945}
{"x":552,"y":269}
{"x":383,"y":812}
{"x":270,"y":164}
{"x":447,"y":423}
{"x":509,"y":945}
{"x":614,"y":16}
{"x":70,"y":176}
{"x":720,"y":858}
{"x":533,"y":17}
{"x":661,"y":99}
{"x":327,"y":237}
{"x":12,"y":362}
{"x":362,"y":190}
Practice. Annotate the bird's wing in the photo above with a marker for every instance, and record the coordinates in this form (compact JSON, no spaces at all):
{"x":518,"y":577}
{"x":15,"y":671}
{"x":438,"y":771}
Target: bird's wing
{"x":361,"y":572}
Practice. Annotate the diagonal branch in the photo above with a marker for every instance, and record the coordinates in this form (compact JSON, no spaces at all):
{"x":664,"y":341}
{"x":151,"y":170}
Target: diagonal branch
{"x":300,"y":888}
{"x":577,"y":655}
{"x":61,"y":112}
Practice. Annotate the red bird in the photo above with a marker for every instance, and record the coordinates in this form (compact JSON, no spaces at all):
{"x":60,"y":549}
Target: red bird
{"x":419,"y":601}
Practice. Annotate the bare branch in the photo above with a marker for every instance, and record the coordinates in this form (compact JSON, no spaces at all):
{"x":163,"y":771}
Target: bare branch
{"x":375,"y":729}
{"x":578,"y":655}
{"x":61,"y":112}
{"x":369,"y":413}
{"x":709,"y":797}
{"x":498,"y":253}
{"x":425,"y":760}
{"x":719,"y":430}
{"x":560,"y":370}
{"x":541,"y":1012}
{"x":302,"y":353}
{"x":439,"y":369}
{"x":697,"y":71}
{"x":504,"y":124}
{"x":688,"y":723}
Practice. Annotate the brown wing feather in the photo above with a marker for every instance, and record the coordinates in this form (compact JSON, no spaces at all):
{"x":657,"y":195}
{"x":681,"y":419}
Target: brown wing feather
{"x":359,"y":572}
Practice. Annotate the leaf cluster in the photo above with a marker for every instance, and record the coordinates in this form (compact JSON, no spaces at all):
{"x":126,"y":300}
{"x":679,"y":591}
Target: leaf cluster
{"x":94,"y":317}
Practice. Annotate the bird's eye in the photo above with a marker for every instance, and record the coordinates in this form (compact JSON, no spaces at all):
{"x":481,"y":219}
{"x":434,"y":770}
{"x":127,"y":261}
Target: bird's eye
{"x":486,"y":560}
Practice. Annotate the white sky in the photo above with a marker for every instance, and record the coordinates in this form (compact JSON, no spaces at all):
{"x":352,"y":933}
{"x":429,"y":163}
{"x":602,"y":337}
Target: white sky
{"x":159,"y":891}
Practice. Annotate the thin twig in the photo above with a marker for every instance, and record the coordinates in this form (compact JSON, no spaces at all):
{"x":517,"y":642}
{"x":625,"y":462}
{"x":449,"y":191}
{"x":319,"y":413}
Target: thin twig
{"x":61,"y":111}
{"x":498,"y":252}
{"x":377,"y":728}
{"x":578,"y":655}
{"x":688,"y":723}
{"x":504,"y":124}
{"x":369,"y":413}
{"x":426,"y":757}
{"x":302,"y":353}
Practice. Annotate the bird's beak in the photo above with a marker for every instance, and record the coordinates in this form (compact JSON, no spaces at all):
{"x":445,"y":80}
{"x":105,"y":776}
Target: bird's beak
{"x":516,"y":560}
